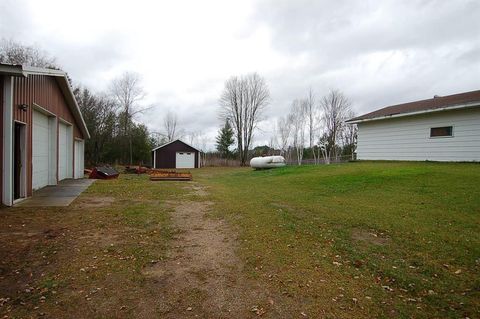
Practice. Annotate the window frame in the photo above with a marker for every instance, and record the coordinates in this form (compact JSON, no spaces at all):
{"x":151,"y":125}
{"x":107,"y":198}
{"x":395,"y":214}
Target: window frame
{"x":441,"y":136}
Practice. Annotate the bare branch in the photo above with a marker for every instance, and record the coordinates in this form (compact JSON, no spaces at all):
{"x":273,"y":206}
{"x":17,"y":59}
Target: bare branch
{"x":170,"y":125}
{"x":12,"y":52}
{"x":243,"y":101}
{"x":336,"y":108}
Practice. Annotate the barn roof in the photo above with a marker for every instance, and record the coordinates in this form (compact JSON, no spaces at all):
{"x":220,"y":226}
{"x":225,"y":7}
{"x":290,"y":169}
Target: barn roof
{"x":156,"y":148}
{"x":437,"y":103}
{"x":62,"y":81}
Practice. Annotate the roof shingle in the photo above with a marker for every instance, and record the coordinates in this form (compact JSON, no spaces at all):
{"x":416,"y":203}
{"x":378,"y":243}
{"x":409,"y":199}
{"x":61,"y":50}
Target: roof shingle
{"x":437,"y":102}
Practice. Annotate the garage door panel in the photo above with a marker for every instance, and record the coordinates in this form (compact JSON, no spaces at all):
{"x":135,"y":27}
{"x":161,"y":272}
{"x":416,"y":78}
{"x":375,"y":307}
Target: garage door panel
{"x":40,"y":150}
{"x":79,"y":159}
{"x":64,"y":151}
{"x":185,"y":160}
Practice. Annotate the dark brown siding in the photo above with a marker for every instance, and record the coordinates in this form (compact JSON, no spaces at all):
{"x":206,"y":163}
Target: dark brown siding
{"x":1,"y":135}
{"x":44,"y":91}
{"x":165,"y":156}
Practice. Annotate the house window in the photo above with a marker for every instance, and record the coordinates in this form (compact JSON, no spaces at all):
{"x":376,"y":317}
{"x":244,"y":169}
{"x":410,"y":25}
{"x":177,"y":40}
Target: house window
{"x":445,"y":131}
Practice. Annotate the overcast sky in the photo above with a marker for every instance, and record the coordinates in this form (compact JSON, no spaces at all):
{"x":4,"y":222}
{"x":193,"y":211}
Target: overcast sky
{"x":378,"y":53}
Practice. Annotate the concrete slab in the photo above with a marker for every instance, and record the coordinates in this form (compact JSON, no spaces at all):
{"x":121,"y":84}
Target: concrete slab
{"x":59,"y":195}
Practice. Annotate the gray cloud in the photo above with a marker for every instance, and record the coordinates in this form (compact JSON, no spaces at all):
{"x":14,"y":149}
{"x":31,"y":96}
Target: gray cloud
{"x":436,"y":41}
{"x":377,"y":52}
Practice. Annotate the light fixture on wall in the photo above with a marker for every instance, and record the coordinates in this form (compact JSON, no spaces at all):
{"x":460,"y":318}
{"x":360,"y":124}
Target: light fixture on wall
{"x":23,"y":107}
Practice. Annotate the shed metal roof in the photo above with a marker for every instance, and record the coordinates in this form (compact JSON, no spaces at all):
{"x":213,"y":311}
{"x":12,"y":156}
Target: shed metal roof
{"x":156,"y":148}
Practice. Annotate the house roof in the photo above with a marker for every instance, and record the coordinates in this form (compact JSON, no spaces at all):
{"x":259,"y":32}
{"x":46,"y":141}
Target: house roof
{"x":438,"y":103}
{"x":63,"y":83}
{"x":156,"y":148}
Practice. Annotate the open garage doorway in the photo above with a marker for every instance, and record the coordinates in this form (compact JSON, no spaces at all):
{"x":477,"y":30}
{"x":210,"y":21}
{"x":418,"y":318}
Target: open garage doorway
{"x":19,"y":161}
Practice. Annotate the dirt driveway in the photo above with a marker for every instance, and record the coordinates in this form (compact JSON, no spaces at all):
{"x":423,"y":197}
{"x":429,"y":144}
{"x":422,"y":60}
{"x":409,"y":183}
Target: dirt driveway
{"x":128,"y":249}
{"x":203,"y":277}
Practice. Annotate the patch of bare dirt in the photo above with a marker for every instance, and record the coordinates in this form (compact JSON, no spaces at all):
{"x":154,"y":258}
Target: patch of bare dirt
{"x":94,"y":202}
{"x":197,"y":189}
{"x":282,"y":206}
{"x":100,"y":238}
{"x":370,"y":237}
{"x":203,"y":277}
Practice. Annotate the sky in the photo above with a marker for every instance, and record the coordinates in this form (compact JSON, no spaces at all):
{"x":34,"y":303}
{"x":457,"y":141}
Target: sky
{"x":378,"y":53}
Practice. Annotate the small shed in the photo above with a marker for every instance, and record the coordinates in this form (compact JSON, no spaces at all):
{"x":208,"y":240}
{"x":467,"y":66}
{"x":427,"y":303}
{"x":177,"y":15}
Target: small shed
{"x":176,"y":154}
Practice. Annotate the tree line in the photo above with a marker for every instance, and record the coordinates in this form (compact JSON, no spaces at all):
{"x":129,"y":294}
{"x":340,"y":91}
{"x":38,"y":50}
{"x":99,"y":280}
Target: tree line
{"x":111,"y":116}
{"x":313,"y":126}
{"x":317,"y":126}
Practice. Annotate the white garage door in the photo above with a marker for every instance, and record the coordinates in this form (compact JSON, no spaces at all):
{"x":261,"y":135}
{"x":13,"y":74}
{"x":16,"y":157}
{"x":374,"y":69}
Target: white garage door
{"x":185,"y":160}
{"x":40,"y":150}
{"x":64,"y":151}
{"x":79,"y":159}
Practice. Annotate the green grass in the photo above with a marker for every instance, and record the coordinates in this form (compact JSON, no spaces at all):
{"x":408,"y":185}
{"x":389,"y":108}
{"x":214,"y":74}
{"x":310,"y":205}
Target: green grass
{"x":356,"y":240}
{"x":92,"y":261}
{"x":360,"y":239}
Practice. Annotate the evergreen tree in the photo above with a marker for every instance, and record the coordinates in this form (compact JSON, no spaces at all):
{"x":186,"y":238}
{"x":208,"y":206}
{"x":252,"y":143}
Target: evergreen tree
{"x":225,"y":140}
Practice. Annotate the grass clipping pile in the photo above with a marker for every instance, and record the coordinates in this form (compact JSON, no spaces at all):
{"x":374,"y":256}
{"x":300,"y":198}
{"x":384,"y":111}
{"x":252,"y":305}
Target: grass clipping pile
{"x":169,"y":175}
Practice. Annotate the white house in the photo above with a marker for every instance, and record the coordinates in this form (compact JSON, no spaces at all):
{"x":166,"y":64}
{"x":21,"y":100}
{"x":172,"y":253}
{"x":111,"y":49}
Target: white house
{"x":445,"y":128}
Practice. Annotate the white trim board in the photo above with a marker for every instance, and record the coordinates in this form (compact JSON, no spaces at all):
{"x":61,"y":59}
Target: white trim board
{"x":7,"y":169}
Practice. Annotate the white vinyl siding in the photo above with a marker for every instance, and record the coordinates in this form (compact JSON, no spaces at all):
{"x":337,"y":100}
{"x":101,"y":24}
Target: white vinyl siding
{"x":408,"y":138}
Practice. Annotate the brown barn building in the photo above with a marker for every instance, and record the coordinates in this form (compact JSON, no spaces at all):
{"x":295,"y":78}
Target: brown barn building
{"x":176,"y":154}
{"x":42,"y":130}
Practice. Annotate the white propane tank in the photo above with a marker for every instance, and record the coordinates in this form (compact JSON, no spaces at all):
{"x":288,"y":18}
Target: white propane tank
{"x":267,"y":162}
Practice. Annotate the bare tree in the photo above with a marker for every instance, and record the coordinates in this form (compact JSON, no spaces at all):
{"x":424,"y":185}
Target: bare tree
{"x":200,"y":142}
{"x":170,"y":125}
{"x":349,"y":137}
{"x":336,"y":108}
{"x":243,"y":101}
{"x":311,"y":112}
{"x":159,"y":138}
{"x":313,"y":119}
{"x":12,"y":52}
{"x":193,"y":137}
{"x":127,"y":92}
{"x":283,"y":130}
{"x":298,"y":116}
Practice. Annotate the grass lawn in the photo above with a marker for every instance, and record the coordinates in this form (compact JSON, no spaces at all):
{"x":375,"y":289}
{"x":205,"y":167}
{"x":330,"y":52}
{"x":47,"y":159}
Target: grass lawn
{"x":356,"y":240}
{"x":86,"y":260}
{"x":366,"y":239}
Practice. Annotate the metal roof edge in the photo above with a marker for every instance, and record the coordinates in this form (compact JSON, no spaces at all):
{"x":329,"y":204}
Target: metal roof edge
{"x":158,"y":147}
{"x":43,"y":71}
{"x":12,"y":69}
{"x":446,"y":108}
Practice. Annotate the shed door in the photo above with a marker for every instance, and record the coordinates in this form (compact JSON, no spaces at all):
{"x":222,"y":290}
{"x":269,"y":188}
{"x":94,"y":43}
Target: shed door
{"x":64,"y":151}
{"x":185,"y":160}
{"x":41,"y":150}
{"x":79,"y":159}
